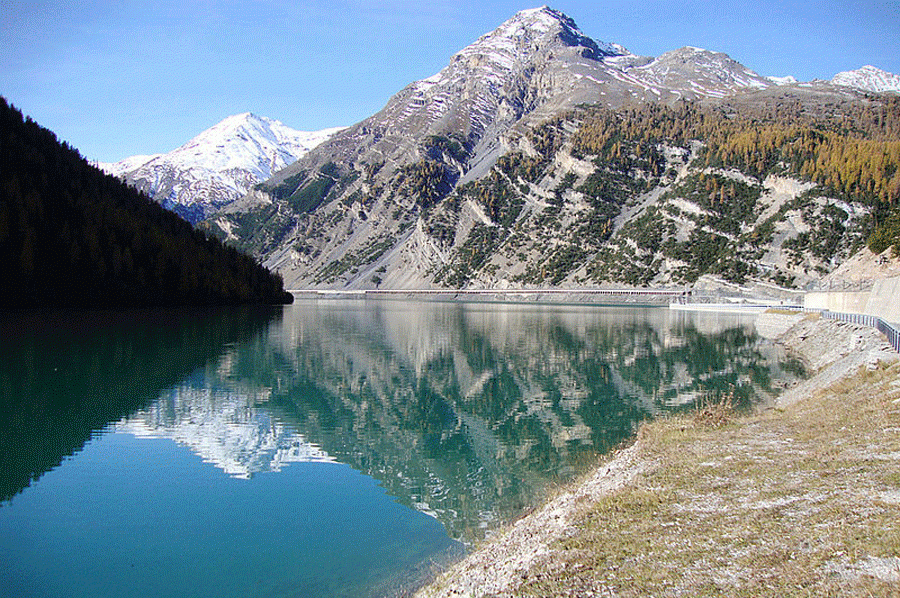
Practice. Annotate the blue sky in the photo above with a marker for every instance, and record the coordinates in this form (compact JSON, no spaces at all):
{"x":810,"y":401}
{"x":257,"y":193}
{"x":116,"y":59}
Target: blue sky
{"x":117,"y":78}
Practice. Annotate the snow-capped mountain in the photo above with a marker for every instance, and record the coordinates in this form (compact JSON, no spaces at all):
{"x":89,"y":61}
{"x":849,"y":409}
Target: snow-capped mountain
{"x":695,"y":72}
{"x":539,"y":62}
{"x":123,"y":167}
{"x":219,"y":165}
{"x":501,"y":76}
{"x":868,"y":78}
{"x":532,"y":67}
{"x":536,"y":61}
{"x":788,"y":80}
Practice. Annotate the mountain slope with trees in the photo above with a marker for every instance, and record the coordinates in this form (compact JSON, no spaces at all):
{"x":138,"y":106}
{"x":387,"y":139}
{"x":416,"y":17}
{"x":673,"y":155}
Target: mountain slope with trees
{"x":777,"y":190}
{"x":539,"y":157}
{"x":72,"y":235}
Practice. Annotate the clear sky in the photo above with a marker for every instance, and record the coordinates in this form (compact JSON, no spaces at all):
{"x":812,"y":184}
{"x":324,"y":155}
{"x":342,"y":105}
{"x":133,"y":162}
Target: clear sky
{"x":124,"y":77}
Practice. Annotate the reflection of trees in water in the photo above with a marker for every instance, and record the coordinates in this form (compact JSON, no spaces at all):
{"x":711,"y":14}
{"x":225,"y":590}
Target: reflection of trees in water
{"x":687,"y":365}
{"x":466,"y":411}
{"x":471,"y":411}
{"x":64,"y":374}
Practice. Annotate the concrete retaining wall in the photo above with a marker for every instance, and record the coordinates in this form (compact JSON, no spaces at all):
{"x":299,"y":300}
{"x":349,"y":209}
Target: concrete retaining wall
{"x":853,"y":302}
{"x":882,"y":301}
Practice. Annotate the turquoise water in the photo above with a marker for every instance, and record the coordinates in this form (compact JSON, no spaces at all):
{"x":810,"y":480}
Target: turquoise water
{"x":328,"y":448}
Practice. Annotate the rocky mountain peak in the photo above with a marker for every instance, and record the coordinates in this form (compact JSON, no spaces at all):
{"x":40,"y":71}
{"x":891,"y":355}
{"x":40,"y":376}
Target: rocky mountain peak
{"x":868,"y":78}
{"x":237,"y":137}
{"x":545,"y":26}
{"x":449,"y":130}
{"x":533,"y":60}
{"x":498,"y":79}
{"x":218,"y":165}
{"x":700,"y":72}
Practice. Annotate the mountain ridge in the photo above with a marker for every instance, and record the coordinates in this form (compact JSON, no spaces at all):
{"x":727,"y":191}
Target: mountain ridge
{"x":195,"y":181}
{"x":218,"y":165}
{"x":73,"y":236}
{"x":492,"y":104}
{"x":428,"y":191}
{"x":869,"y":78}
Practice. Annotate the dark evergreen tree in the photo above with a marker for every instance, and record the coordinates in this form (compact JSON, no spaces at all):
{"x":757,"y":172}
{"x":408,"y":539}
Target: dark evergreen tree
{"x":72,"y":235}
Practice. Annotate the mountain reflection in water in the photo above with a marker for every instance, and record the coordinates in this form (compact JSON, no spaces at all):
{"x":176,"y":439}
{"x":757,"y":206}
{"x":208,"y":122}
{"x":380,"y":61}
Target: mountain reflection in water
{"x":468,"y":412}
{"x":66,"y":374}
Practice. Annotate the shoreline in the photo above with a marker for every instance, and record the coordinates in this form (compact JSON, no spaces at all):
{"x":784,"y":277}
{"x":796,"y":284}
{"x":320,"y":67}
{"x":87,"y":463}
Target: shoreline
{"x":624,"y":297}
{"x":674,"y":299}
{"x":539,"y":554}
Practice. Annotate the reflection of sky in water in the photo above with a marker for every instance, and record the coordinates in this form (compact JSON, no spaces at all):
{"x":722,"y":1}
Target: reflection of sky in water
{"x":140,"y":517}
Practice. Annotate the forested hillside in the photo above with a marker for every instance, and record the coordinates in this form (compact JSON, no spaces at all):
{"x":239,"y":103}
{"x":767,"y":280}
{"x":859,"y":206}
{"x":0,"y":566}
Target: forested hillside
{"x":776,"y":189}
{"x":852,"y":151}
{"x":712,"y":212}
{"x":538,"y":157}
{"x":71,"y":235}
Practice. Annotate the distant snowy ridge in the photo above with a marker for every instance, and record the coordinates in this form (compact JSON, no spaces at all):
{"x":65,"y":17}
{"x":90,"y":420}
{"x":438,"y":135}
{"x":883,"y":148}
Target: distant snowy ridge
{"x":700,"y":72}
{"x":123,"y":167}
{"x":219,"y":165}
{"x":868,"y":78}
{"x":788,"y":80}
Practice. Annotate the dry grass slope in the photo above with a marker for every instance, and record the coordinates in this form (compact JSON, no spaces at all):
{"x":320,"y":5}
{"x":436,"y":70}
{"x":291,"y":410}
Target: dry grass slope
{"x":799,"y":501}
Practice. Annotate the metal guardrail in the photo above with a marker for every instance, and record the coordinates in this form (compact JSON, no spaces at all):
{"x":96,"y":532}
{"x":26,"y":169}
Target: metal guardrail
{"x":886,"y":328}
{"x":892,"y":334}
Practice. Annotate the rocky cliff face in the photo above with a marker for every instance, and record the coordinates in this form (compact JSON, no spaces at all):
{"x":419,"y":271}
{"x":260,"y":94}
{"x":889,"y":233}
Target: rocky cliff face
{"x":479,"y":176}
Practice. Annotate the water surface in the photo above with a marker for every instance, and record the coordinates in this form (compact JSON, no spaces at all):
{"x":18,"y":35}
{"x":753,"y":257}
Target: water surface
{"x":328,"y":448}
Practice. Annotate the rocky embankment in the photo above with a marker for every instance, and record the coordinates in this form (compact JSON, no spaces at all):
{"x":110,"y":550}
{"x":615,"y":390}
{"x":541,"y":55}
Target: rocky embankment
{"x":801,"y":499}
{"x":833,"y":350}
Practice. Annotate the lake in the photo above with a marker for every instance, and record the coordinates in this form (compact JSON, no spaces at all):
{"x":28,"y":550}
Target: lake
{"x":327,"y":448}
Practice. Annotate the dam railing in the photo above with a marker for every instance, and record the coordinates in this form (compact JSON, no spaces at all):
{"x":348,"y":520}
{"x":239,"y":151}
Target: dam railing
{"x":890,"y":331}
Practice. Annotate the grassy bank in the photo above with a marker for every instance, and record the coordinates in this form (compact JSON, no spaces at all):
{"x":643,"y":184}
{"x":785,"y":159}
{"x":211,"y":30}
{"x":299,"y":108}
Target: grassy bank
{"x":804,"y":502}
{"x":799,"y":501}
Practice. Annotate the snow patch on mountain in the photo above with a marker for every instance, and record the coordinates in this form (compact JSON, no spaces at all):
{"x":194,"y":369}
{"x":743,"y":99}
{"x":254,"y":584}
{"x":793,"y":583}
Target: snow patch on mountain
{"x":788,"y":80}
{"x":526,"y":63}
{"x":534,"y":65}
{"x":531,"y":69}
{"x":699,"y":72}
{"x":219,"y":165}
{"x":122,"y":167}
{"x":868,"y":78}
{"x":499,"y":52}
